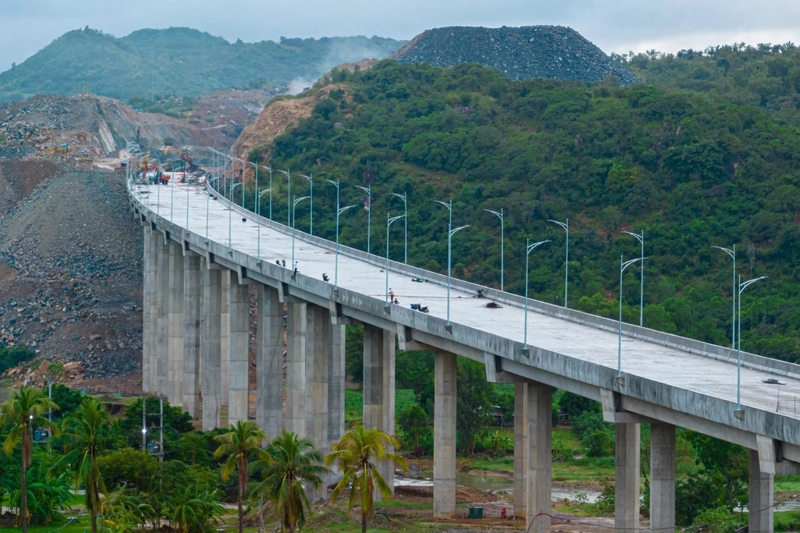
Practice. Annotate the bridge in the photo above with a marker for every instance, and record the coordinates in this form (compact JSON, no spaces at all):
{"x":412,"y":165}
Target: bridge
{"x":204,"y":255}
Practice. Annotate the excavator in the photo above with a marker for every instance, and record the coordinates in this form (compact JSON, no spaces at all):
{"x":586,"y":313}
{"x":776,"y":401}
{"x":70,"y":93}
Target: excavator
{"x":62,"y":148}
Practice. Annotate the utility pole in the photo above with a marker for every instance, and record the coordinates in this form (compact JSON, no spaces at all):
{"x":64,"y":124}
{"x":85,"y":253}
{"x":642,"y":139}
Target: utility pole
{"x":161,"y":428}
{"x":144,"y":425}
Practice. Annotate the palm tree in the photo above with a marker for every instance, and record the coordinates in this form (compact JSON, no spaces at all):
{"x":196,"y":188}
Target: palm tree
{"x":82,"y":431}
{"x":192,"y":508}
{"x":24,"y":410}
{"x":356,"y":453}
{"x":237,"y":444}
{"x":285,"y":465}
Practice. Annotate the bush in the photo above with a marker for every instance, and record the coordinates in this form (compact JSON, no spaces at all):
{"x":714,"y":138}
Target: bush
{"x":14,"y":355}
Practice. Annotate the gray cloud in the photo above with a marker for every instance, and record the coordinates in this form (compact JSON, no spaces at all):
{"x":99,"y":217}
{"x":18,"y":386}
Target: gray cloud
{"x":614,"y":25}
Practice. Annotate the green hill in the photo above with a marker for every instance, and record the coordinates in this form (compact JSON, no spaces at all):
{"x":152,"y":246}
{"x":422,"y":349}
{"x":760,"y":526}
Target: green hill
{"x":181,"y":61}
{"x":692,"y":171}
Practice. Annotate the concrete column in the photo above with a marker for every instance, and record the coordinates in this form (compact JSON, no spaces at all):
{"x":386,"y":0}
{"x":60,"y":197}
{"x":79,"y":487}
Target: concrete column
{"x":162,"y":340}
{"x":225,"y":339}
{"x":318,"y":340}
{"x":336,"y":384}
{"x":269,"y":363}
{"x":520,"y":448}
{"x":761,"y":504}
{"x":152,"y":375}
{"x":146,"y":307}
{"x":662,"y":477}
{"x":211,"y":347}
{"x":539,"y":436}
{"x":192,"y":333}
{"x":239,"y":338}
{"x":444,"y":436}
{"x":175,"y":368}
{"x":296,"y":369}
{"x":626,"y":493}
{"x":379,"y":388}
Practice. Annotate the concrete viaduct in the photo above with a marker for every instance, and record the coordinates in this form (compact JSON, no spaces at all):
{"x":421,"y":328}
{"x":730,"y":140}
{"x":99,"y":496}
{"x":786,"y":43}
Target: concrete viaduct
{"x":202,"y":255}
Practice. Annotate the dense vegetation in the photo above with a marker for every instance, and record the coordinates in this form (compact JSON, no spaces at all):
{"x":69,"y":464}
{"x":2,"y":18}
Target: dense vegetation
{"x":691,"y":170}
{"x":767,"y":76}
{"x":177,"y":60}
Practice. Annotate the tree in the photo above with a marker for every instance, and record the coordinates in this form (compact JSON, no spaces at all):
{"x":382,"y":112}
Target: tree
{"x":236,"y":445}
{"x":285,"y":465}
{"x":26,"y":408}
{"x":355,"y":454}
{"x":82,"y":432}
{"x":192,"y":508}
{"x":473,"y":408}
{"x":413,"y":422}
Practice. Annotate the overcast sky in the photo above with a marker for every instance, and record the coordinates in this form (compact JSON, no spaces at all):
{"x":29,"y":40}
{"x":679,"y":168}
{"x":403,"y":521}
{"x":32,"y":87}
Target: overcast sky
{"x":613,"y":25}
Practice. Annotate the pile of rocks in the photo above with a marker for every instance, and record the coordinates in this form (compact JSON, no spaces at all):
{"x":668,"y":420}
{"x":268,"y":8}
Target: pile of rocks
{"x":553,"y":52}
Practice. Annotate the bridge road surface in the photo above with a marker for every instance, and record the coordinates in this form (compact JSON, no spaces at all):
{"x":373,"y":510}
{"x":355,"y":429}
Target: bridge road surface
{"x":650,"y":360}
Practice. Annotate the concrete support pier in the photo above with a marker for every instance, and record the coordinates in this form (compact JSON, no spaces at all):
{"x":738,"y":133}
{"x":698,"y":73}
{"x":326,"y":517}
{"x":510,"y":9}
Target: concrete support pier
{"x":539,"y":423}
{"x":192,"y":332}
{"x":626,"y":493}
{"x":318,"y":340}
{"x":761,"y":504}
{"x":225,"y":354}
{"x":379,"y":389}
{"x":211,"y":347}
{"x":175,"y":369}
{"x":296,"y":369}
{"x":662,"y":477}
{"x":269,"y":362}
{"x":162,"y":305}
{"x":238,"y":352}
{"x":147,"y":296}
{"x":336,"y":381}
{"x":444,"y":436}
{"x":520,"y":448}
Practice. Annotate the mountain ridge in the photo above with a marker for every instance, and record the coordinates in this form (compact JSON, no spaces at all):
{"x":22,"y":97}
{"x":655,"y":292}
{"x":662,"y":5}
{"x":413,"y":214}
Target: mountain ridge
{"x":181,"y":61}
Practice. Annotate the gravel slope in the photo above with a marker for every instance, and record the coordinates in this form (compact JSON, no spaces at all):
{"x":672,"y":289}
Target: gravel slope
{"x":520,"y":53}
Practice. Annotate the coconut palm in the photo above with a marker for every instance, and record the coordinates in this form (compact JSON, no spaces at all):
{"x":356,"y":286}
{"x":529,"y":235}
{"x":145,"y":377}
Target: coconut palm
{"x":355,"y":454}
{"x":82,"y":432}
{"x":285,"y":465}
{"x":237,"y":444}
{"x":22,"y":412}
{"x":191,"y":508}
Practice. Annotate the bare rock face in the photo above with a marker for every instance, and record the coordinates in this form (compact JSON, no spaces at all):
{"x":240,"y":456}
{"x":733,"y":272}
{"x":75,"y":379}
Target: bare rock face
{"x":553,"y":52}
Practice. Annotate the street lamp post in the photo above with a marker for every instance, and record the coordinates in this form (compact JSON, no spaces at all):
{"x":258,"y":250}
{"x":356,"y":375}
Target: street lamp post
{"x":208,"y":198}
{"x":528,"y":249}
{"x":310,"y":179}
{"x":339,"y":211}
{"x":255,"y":189}
{"x":622,"y":267}
{"x":499,"y":214}
{"x":450,"y":232}
{"x":244,"y":175}
{"x":230,"y":217}
{"x":268,"y":169}
{"x":739,"y":413}
{"x":258,"y":198}
{"x":640,"y":238}
{"x":368,"y":190}
{"x":565,"y":226}
{"x":389,"y":221}
{"x":288,"y":195}
{"x":295,"y":201}
{"x":404,"y":197}
{"x":732,"y":253}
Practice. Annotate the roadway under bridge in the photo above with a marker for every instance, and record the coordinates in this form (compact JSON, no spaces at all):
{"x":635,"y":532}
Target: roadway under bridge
{"x":203,"y":256}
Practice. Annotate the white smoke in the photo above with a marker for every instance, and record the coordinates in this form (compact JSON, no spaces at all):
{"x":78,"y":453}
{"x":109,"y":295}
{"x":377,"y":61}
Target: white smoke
{"x":298,"y":85}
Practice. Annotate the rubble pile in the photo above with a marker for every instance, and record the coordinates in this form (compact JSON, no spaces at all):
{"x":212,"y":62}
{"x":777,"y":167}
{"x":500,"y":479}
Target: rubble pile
{"x":70,"y":274}
{"x":553,"y":52}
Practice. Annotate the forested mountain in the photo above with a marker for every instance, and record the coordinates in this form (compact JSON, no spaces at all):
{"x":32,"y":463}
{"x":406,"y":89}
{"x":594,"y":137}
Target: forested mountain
{"x":766,"y":76}
{"x":692,"y":170}
{"x":181,"y":61}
